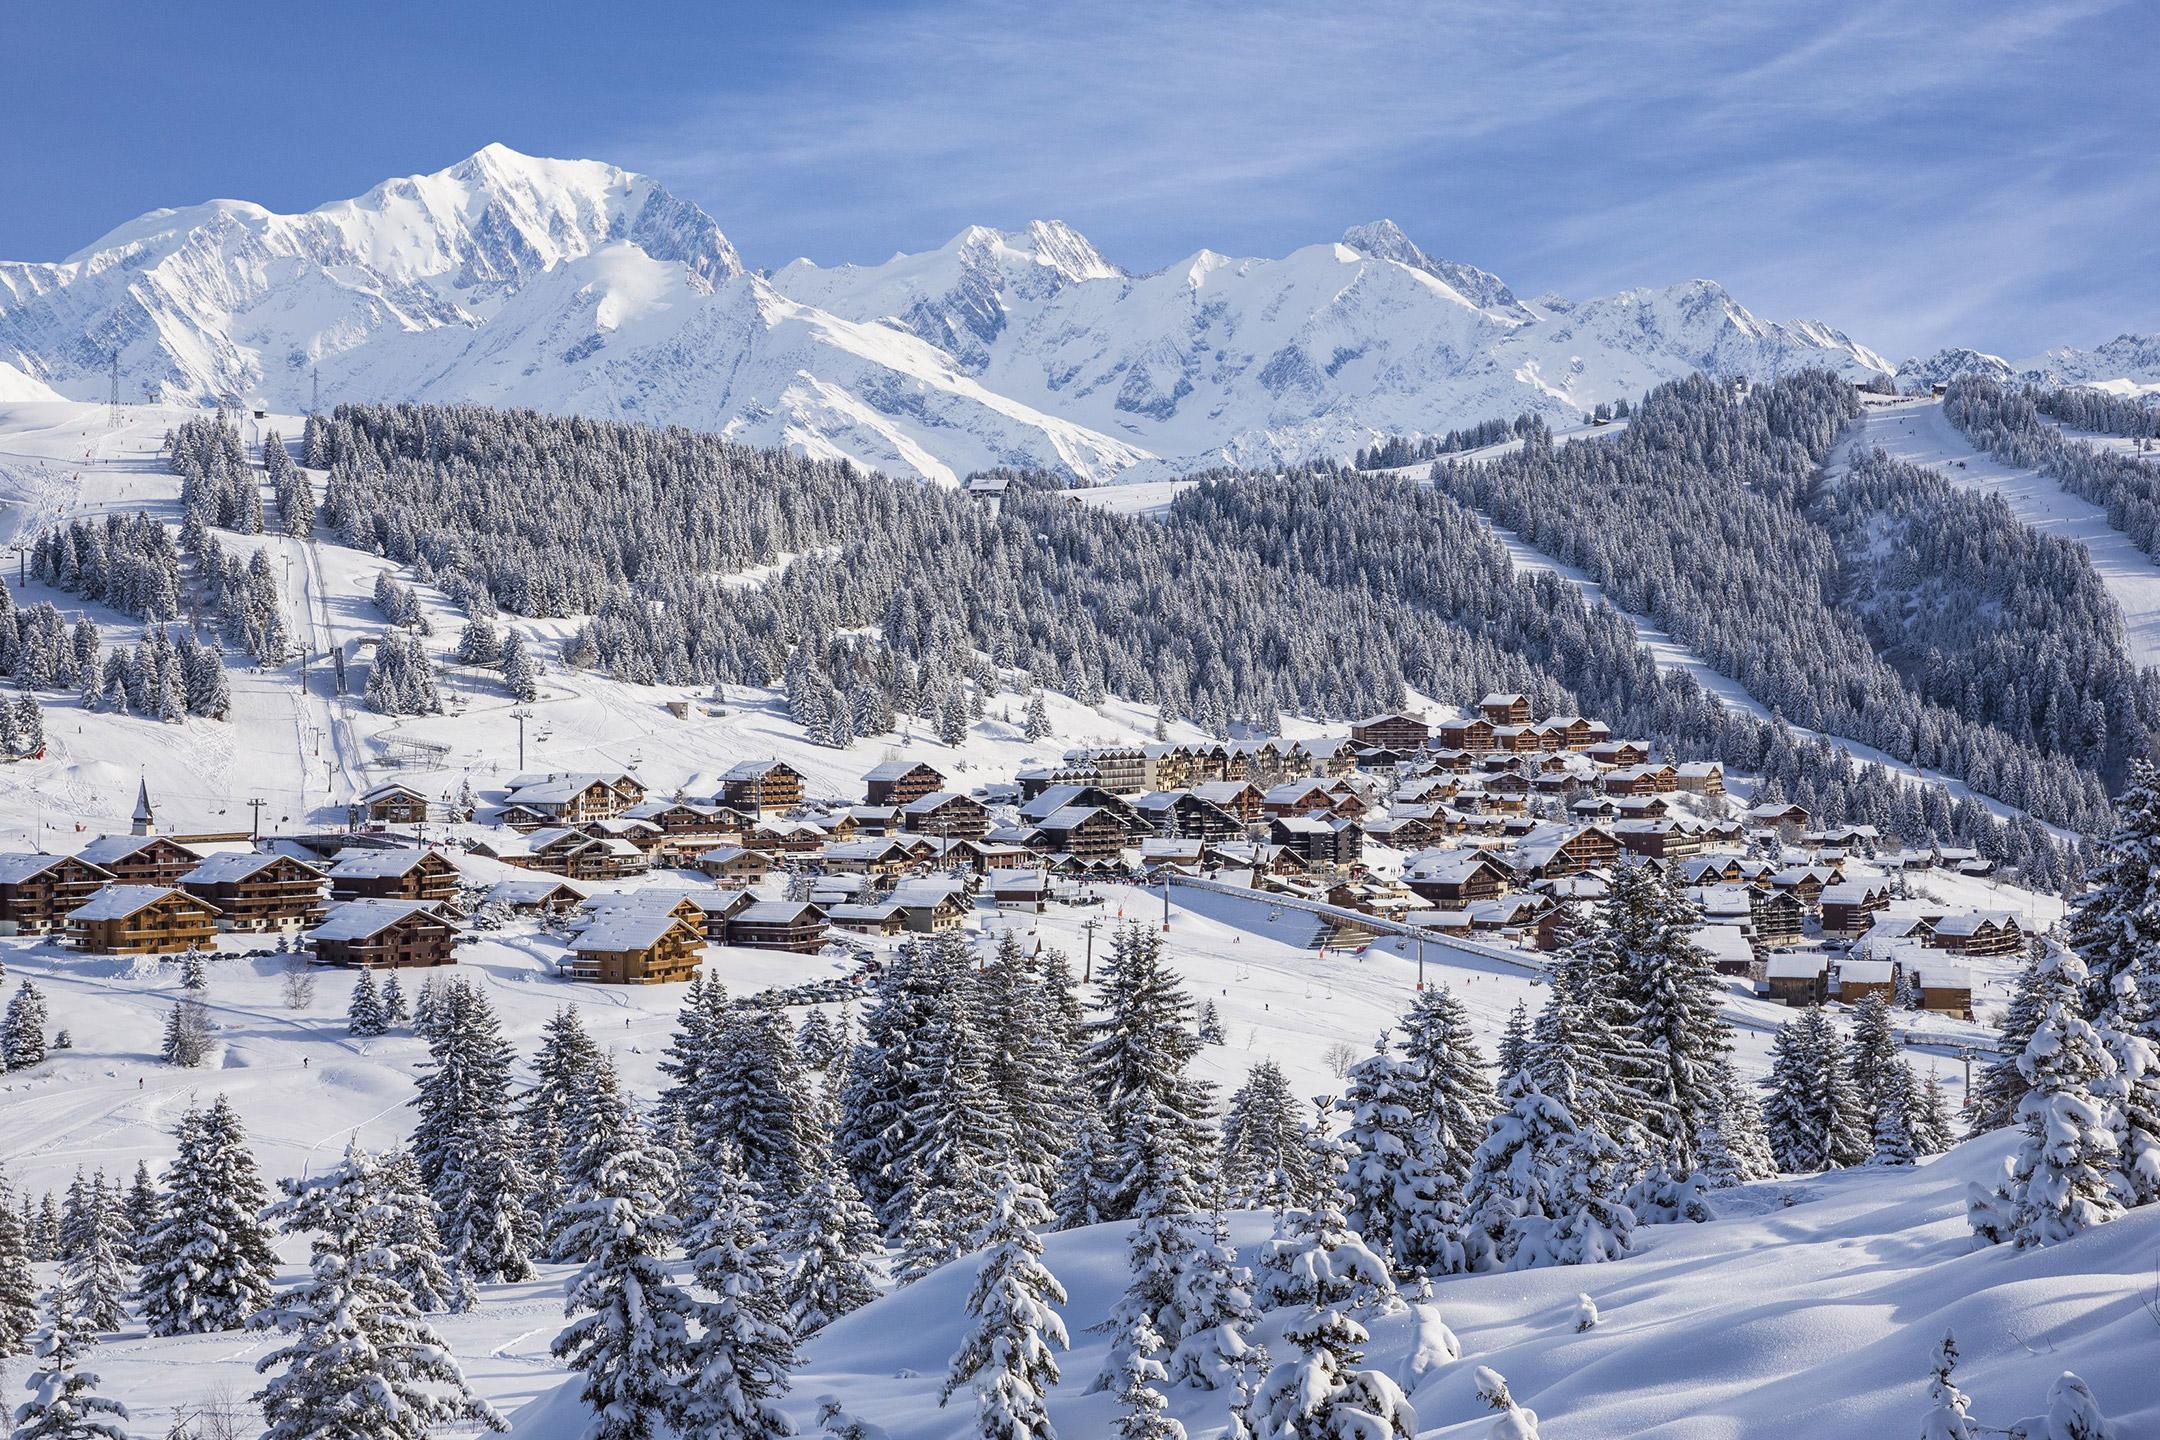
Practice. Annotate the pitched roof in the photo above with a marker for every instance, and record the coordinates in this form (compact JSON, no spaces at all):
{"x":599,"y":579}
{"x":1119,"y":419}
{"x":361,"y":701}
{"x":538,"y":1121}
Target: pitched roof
{"x":117,"y":902}
{"x":629,"y":928}
{"x":226,"y":867}
{"x":365,"y":919}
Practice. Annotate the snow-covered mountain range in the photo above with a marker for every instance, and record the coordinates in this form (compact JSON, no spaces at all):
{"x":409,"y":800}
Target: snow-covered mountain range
{"x":571,"y":285}
{"x":2127,"y":365}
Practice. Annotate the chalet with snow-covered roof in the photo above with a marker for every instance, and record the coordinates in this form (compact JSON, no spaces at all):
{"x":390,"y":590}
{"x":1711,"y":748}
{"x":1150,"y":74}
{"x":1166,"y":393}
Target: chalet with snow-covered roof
{"x":755,"y":786}
{"x":1798,"y":978}
{"x":1087,"y":831}
{"x":569,"y":798}
{"x":141,"y":920}
{"x":377,"y":934}
{"x":636,"y":947}
{"x":1391,"y":730}
{"x":1186,"y":814}
{"x":1945,"y":986}
{"x":1618,"y":754}
{"x":400,"y":874}
{"x":1119,"y":769}
{"x":1320,"y":840}
{"x":882,"y":920}
{"x":1451,"y":879}
{"x":1777,"y":815}
{"x":538,"y":896}
{"x":735,"y":864}
{"x":687,"y":823}
{"x":37,"y":891}
{"x":795,"y":925}
{"x":1978,"y":933}
{"x":1849,"y":907}
{"x":1700,"y":777}
{"x":948,"y":815}
{"x":1854,"y":978}
{"x":259,"y":892}
{"x":140,"y":859}
{"x":1563,"y":850}
{"x":1670,"y":838}
{"x":393,"y":803}
{"x":901,"y":782}
{"x":1806,"y":883}
{"x":1505,"y":709}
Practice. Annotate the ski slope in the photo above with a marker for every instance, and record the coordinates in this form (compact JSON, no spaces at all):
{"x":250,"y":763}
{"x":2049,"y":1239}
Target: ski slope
{"x":1918,"y":431}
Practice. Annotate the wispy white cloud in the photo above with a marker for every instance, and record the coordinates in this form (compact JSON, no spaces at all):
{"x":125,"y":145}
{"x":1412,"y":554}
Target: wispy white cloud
{"x":1971,"y":173}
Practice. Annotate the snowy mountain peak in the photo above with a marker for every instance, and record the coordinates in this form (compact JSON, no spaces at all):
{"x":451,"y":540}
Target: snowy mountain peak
{"x":1385,"y":240}
{"x":574,"y":285}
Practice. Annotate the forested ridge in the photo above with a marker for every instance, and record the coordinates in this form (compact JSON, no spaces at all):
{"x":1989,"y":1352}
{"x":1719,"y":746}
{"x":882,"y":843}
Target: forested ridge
{"x":1317,"y":591}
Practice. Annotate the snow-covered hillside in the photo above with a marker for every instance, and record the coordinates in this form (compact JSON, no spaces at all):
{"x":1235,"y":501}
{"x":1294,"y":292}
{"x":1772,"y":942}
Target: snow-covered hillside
{"x":2127,"y":365}
{"x":575,"y":286}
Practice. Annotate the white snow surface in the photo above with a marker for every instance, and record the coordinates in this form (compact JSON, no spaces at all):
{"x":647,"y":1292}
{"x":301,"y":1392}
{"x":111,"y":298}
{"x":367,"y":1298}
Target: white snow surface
{"x":575,"y":286}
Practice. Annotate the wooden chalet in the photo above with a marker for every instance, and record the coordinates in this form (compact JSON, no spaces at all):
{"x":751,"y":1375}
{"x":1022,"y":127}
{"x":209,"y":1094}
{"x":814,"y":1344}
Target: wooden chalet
{"x":1452,"y":879}
{"x":899,"y":783}
{"x":398,"y":874}
{"x":569,"y":798}
{"x":1849,"y":908}
{"x":393,"y":803}
{"x":1085,"y":831}
{"x":637,"y":947}
{"x":1318,"y":840}
{"x":947,"y":815}
{"x":140,"y":859}
{"x":1979,"y":933}
{"x":142,"y":920}
{"x":795,"y":925}
{"x":735,"y":864}
{"x":376,"y":933}
{"x":38,"y":891}
{"x":755,"y":786}
{"x":259,"y":892}
{"x":539,"y":896}
{"x":1505,"y":709}
{"x":1798,"y":979}
{"x":1391,"y":730}
{"x":1471,"y":737}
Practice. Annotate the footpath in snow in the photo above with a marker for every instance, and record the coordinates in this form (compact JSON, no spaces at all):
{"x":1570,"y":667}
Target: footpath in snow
{"x":1921,"y":433}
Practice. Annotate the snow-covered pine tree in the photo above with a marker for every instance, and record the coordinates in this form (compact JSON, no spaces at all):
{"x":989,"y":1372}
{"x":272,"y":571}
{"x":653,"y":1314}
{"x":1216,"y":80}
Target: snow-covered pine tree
{"x":552,"y":1121}
{"x":2131,"y":1032}
{"x":1515,"y":1422}
{"x":890,"y":1077}
{"x":1811,"y":1117}
{"x":1265,"y":1161}
{"x":631,"y":1331}
{"x":960,"y":1143}
{"x":1393,"y":1195}
{"x":835,"y":1235}
{"x":1895,"y":1143}
{"x":1541,"y":1190}
{"x":2062,"y":1180}
{"x":97,"y":1263}
{"x":755,"y":1100}
{"x":407,"y":1215}
{"x":23,"y":1028}
{"x":1318,"y":1268}
{"x":478,"y":644}
{"x":360,"y":1363}
{"x":1946,"y":1418}
{"x":744,"y":1358}
{"x":1142,"y":1410}
{"x":18,"y":1286}
{"x":206,"y":1264}
{"x":1871,"y":1051}
{"x":1213,"y":1348}
{"x":1670,"y":989}
{"x":2048,"y":978}
{"x":364,"y":1016}
{"x":188,"y":1033}
{"x":1086,"y":1178}
{"x":1008,"y":1354}
{"x":1032,"y":1067}
{"x":1036,"y":726}
{"x":64,"y":1401}
{"x":2115,"y":928}
{"x":465,"y":1143}
{"x":1933,"y":1130}
{"x":394,"y":1007}
{"x":520,"y":671}
{"x":1164,"y":1233}
{"x":1139,"y":1047}
{"x":1514,"y":1049}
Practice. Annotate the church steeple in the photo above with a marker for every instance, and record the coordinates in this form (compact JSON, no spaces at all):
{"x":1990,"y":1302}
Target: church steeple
{"x":145,"y":817}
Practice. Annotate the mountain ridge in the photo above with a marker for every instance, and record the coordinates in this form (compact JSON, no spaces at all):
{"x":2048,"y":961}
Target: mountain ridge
{"x":577,"y":286}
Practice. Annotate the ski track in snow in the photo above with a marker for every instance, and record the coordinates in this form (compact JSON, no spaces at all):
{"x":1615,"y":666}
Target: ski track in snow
{"x":1920,"y":432}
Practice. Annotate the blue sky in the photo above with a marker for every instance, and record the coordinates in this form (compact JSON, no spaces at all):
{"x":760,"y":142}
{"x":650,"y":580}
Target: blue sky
{"x":1976,"y":173}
